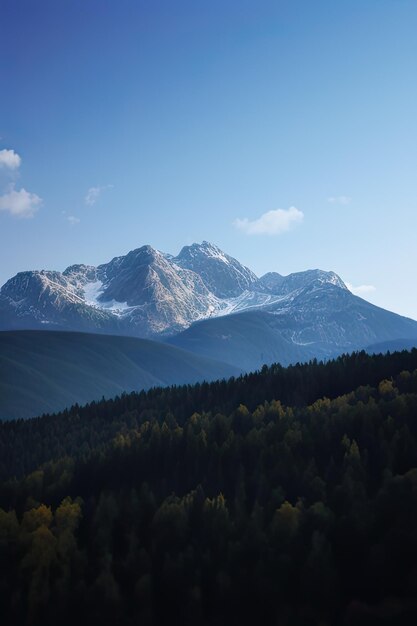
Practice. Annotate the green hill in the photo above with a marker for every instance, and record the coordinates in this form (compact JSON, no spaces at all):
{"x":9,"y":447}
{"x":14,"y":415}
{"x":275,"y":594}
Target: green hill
{"x":46,"y":371}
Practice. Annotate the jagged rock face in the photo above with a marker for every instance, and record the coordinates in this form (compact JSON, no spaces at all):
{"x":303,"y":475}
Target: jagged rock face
{"x":155,"y":291}
{"x":136,"y":278}
{"x":223,"y":275}
{"x":44,"y":288}
{"x":147,"y":293}
{"x":43,"y":299}
{"x":80,"y":274}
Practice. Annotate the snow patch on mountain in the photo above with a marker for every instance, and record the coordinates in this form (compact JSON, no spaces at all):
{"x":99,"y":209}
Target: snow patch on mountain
{"x":92,"y":293}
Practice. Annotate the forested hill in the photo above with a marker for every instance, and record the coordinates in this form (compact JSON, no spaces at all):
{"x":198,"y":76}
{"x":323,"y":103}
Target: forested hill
{"x":24,"y":445}
{"x":287,"y":497}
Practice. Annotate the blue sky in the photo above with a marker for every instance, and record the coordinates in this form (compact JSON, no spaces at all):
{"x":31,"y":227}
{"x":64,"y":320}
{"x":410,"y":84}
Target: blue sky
{"x":285,"y":132}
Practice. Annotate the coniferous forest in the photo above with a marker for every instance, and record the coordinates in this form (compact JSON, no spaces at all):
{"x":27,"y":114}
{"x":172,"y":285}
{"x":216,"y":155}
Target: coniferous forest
{"x":285,"y":497}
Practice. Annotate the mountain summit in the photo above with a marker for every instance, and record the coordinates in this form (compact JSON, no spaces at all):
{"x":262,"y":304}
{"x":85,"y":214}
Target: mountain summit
{"x":223,"y":275}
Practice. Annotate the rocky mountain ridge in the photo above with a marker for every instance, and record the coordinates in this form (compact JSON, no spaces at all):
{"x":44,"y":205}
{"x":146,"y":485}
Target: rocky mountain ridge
{"x":144,"y":293}
{"x":193,"y":295}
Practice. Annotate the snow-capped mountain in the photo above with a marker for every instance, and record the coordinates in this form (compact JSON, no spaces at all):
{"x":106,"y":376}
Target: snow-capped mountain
{"x":143,"y":293}
{"x":147,"y":293}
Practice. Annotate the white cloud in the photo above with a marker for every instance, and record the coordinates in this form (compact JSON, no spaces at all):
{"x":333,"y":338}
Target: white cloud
{"x":20,"y":203}
{"x":93,"y":194}
{"x":73,"y":220}
{"x":339,"y":199}
{"x":271,"y":222}
{"x":360,"y":290}
{"x":9,"y":159}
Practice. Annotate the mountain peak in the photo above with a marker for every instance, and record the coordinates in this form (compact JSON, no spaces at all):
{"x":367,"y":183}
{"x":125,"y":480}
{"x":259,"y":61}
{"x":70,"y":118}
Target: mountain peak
{"x":139,"y":257}
{"x":223,"y":275}
{"x":144,"y":251}
{"x":204,"y":248}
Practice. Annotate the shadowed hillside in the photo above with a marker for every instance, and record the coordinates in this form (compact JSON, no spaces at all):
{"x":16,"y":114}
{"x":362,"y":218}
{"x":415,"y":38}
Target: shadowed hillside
{"x":45,"y":371}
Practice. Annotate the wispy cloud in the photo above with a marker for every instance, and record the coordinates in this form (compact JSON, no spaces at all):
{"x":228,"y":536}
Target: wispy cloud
{"x":94,"y":193}
{"x":361,"y":290}
{"x":339,"y":199}
{"x":73,"y":220}
{"x":20,"y":203}
{"x":9,"y":159}
{"x":270,"y":223}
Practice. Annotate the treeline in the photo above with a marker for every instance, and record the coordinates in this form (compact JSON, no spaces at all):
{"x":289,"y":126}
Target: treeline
{"x":162,"y":508}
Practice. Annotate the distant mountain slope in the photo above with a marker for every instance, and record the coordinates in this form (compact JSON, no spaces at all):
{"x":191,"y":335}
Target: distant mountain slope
{"x":319,"y":322}
{"x":396,"y":345}
{"x":44,"y":371}
{"x":248,"y":338}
